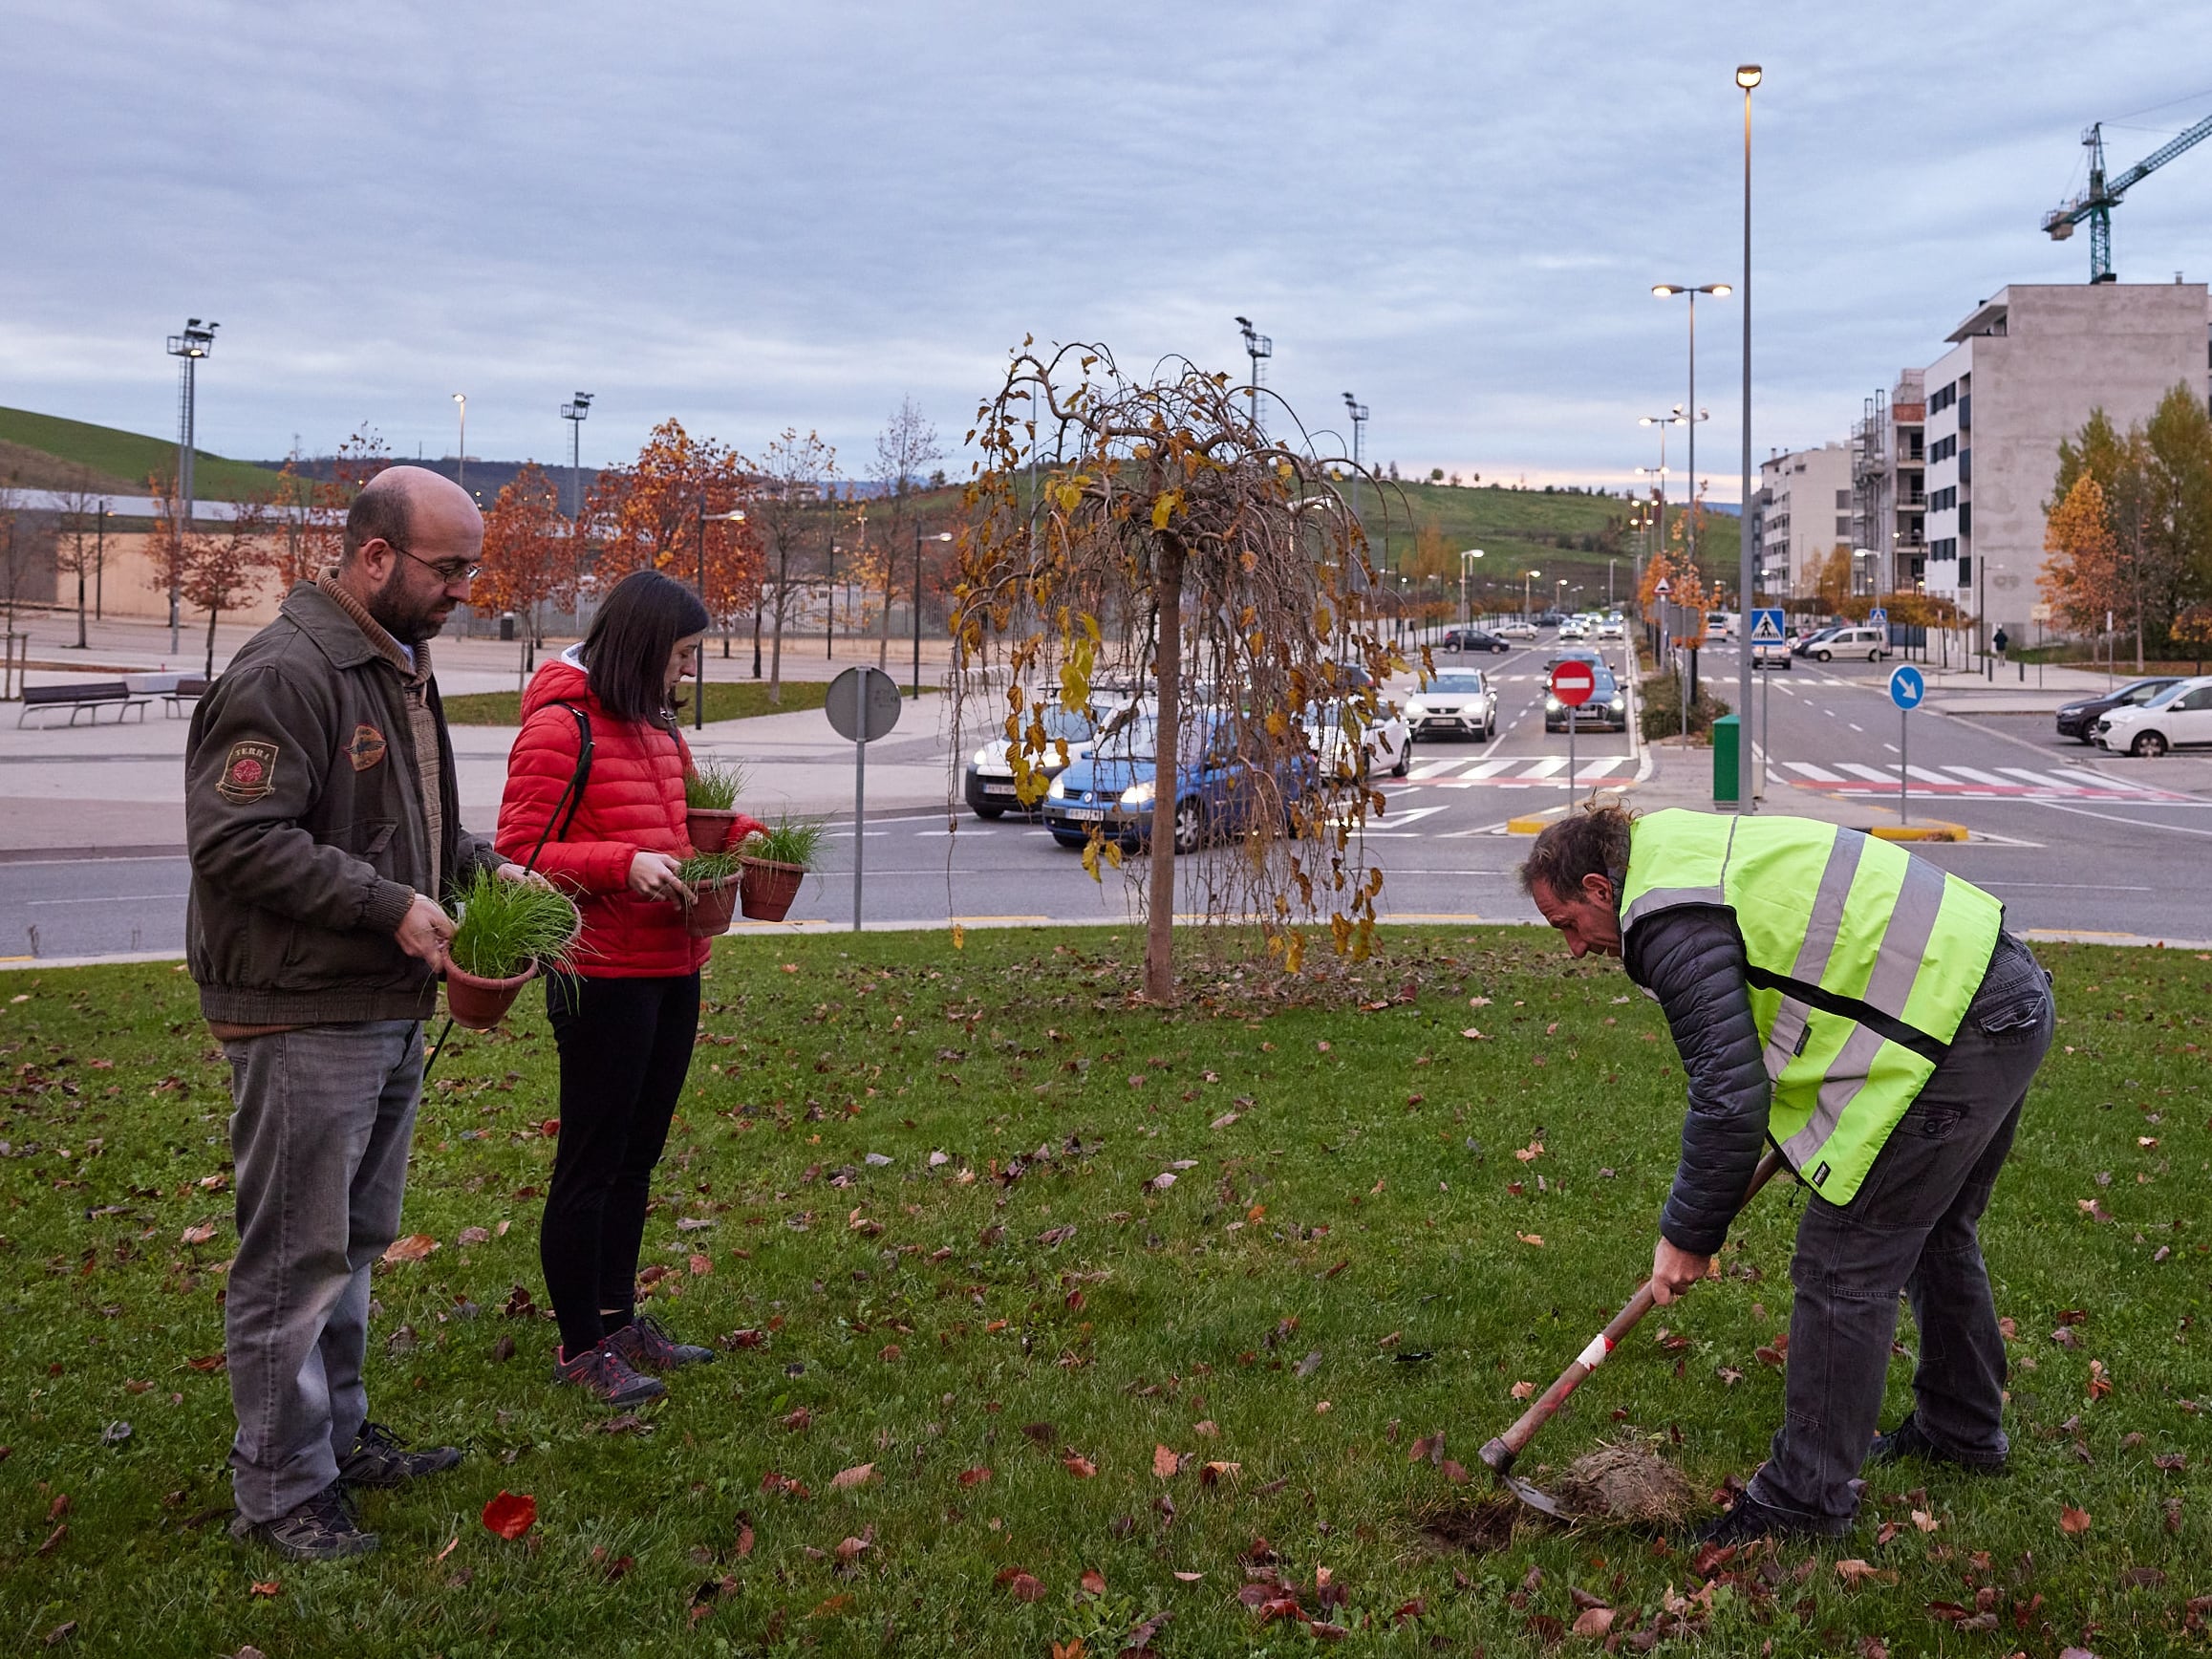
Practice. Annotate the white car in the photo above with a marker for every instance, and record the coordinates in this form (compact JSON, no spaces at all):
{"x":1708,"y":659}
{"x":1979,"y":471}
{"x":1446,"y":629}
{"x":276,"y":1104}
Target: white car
{"x":1348,"y":743}
{"x":1454,"y":702}
{"x":1720,"y":624}
{"x":1612,"y":628}
{"x":2177,"y":717}
{"x":1871,"y":643}
{"x":1574,"y":628}
{"x":1516,"y":631}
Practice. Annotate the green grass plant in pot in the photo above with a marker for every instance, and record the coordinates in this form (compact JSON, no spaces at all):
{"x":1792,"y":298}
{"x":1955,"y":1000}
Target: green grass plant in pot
{"x":710,"y":799}
{"x":510,"y":931}
{"x":713,"y":879}
{"x":775,"y":864}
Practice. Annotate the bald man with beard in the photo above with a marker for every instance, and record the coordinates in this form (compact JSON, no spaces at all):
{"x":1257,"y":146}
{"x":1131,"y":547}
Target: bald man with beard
{"x":324,"y":828}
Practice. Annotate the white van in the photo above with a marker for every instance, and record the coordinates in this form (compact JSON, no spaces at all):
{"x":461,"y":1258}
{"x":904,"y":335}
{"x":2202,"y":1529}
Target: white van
{"x":1860,"y":640}
{"x":1720,"y":624}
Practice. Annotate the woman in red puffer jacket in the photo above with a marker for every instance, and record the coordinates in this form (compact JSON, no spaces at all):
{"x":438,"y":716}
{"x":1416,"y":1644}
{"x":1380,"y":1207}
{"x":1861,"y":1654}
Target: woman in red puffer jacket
{"x":627,"y":1019}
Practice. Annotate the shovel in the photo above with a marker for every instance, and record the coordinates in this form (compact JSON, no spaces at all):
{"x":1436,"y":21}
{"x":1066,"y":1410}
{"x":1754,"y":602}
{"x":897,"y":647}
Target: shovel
{"x":1501,"y":1453}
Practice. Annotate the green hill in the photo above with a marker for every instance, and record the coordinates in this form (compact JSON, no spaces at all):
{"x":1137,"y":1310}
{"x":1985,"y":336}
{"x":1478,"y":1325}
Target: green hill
{"x":1558,"y":534}
{"x":48,"y":452}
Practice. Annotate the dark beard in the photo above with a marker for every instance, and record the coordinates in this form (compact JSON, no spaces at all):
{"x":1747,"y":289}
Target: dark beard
{"x":407,"y":621}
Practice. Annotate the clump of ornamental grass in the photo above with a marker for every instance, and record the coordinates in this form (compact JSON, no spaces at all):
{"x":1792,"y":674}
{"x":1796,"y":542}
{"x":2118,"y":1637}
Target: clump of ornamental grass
{"x":706,"y":868}
{"x":792,"y":841}
{"x":505,"y":926}
{"x":714,"y":785}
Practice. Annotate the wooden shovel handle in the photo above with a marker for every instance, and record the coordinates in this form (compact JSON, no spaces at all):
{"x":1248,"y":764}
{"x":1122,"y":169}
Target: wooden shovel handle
{"x":1501,"y":1453}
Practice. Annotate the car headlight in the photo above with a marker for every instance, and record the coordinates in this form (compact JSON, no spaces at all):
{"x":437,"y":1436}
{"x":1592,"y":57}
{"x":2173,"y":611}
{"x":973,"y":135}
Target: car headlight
{"x":1058,"y":789}
{"x":1416,"y":709}
{"x":1552,"y":705}
{"x":1139,"y":794}
{"x":990,"y":757}
{"x":1619,"y":702}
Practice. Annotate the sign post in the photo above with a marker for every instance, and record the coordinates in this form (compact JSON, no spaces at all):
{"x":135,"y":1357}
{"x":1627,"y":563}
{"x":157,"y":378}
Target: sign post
{"x":1908,"y":687}
{"x":1766,"y":624}
{"x":1571,"y":683}
{"x":863,"y":704}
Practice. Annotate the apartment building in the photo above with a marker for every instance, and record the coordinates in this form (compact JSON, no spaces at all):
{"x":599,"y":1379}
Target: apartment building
{"x":2025,"y":370}
{"x":1888,"y":488}
{"x":1804,"y":511}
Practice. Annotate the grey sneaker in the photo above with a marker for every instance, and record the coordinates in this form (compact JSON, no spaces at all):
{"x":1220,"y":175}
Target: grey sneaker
{"x":323,"y":1528}
{"x":645,"y":1342}
{"x":379,"y":1460}
{"x":608,"y":1374}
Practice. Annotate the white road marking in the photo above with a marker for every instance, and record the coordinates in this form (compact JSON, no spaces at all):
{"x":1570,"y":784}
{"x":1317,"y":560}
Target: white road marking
{"x":1979,"y":777}
{"x":1867,"y":772}
{"x":2043,"y":781}
{"x":1927,"y":777}
{"x":1818,"y":774}
{"x":1595,"y":769}
{"x":1546,"y":766}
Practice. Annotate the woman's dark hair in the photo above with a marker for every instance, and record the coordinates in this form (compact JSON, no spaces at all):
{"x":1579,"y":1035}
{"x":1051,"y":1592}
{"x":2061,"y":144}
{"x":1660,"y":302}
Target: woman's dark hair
{"x":1593,"y":841}
{"x":626,"y":653}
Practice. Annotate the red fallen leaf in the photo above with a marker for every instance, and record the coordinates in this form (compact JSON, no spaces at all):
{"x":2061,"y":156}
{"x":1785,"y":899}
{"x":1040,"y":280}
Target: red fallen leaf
{"x":1889,"y":1529}
{"x":1025,"y":1588}
{"x":615,"y":1569}
{"x":2065,"y":1337}
{"x":1212,"y":1473}
{"x":53,"y":1540}
{"x":2008,"y":1329}
{"x":510,"y":1515}
{"x":59,"y":1508}
{"x":2073,"y":1316}
{"x":1873,"y":1648}
{"x":1165,"y":1463}
{"x":974,"y":1477}
{"x":1093,"y":1582}
{"x":2072,"y":1520}
{"x":745,"y":1540}
{"x":1079,"y":1466}
{"x":797,"y":1420}
{"x":414,"y":1247}
{"x":2173,"y":1462}
{"x":830,"y":1607}
{"x":891,"y":1353}
{"x":1949,"y":1612}
{"x":264,"y":1587}
{"x":784,"y":1484}
{"x":1456,"y":1473}
{"x":849,"y":1549}
{"x":1277,"y":1606}
{"x":1429,"y":1449}
{"x":700,"y":1265}
{"x":1321,"y":1630}
{"x":550,"y":1128}
{"x":1855,"y":1572}
{"x":208,"y":1363}
{"x":1412,"y":1609}
{"x":1594,"y":1623}
{"x":1523,"y":1391}
{"x":1709,"y":1560}
{"x":199,"y":1235}
{"x":845,"y":1479}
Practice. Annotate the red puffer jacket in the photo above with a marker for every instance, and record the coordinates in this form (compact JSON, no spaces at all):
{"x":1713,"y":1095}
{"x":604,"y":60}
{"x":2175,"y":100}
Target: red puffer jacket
{"x":632,"y":803}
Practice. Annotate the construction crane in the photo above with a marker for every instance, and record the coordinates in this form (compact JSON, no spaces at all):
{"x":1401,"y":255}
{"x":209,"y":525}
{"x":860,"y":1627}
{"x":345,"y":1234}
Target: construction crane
{"x":2096,"y":205}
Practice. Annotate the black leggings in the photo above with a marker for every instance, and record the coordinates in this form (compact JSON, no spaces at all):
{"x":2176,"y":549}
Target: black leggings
{"x":625,"y":1048}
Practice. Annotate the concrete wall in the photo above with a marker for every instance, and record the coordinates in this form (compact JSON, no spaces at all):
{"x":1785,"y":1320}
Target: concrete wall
{"x":132,"y":587}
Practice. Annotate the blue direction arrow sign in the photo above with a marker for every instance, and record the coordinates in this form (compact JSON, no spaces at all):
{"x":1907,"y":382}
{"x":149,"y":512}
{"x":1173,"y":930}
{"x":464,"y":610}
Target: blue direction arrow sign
{"x":1906,"y":686}
{"x":1766,"y":626}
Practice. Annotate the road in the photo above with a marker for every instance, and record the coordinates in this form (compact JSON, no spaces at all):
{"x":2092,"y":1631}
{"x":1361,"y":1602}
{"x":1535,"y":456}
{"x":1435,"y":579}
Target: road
{"x":2071,"y":839}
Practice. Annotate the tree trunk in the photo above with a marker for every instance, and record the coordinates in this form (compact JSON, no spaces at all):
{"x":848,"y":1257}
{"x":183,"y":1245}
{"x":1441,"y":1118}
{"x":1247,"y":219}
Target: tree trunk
{"x":80,"y":644}
{"x":1167,"y":776}
{"x":213,"y":612}
{"x":776,"y":649}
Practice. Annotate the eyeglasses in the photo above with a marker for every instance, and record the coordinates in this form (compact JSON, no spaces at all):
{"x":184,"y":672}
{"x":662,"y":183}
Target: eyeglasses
{"x":450,"y":572}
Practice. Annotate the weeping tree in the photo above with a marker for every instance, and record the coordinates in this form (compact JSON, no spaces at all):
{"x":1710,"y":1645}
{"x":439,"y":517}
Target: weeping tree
{"x":1146,"y":534}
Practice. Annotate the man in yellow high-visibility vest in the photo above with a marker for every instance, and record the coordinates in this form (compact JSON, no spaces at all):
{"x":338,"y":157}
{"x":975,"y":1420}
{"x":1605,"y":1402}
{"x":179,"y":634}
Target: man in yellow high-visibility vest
{"x":1867,"y":1012}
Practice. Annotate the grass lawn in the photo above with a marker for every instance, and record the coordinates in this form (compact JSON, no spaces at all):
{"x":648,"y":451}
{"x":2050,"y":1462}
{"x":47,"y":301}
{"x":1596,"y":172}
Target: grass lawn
{"x":122,"y":457}
{"x":726,"y":700}
{"x":1379,"y":1225}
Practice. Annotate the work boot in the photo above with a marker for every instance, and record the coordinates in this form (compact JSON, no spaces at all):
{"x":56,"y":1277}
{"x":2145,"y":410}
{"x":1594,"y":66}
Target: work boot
{"x":1750,"y":1519}
{"x":1908,"y":1439}
{"x":379,"y":1460}
{"x":605,"y":1373}
{"x":321,"y":1528}
{"x":645,"y":1342}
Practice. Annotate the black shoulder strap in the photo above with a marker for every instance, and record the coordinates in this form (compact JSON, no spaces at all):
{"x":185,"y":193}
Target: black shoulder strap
{"x":573,"y":794}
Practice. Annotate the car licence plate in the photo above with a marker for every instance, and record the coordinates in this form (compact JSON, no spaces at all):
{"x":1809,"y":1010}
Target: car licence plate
{"x":998,"y":788}
{"x":1086,"y":814}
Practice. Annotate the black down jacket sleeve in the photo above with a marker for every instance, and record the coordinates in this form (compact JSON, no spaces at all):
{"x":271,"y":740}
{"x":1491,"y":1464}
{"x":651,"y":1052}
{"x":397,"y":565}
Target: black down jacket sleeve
{"x":1692,"y":960}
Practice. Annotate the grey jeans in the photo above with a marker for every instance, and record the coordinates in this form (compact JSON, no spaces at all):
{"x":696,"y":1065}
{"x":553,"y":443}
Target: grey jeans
{"x":320,"y":1134}
{"x":1912,"y":1226}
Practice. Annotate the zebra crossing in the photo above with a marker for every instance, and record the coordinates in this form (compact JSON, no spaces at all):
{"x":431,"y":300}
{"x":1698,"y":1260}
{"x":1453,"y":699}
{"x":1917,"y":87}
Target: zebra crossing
{"x":2048,"y":783}
{"x":1519,"y":772}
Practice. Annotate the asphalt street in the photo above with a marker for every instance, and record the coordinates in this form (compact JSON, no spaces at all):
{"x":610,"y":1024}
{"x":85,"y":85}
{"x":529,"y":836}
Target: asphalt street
{"x":2071,"y":839}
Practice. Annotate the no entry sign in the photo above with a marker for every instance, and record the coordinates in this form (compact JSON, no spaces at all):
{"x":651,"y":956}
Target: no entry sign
{"x":1573,"y":683}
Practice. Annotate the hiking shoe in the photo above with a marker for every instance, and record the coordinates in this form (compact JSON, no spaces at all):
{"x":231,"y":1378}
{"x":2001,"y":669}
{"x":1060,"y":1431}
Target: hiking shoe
{"x":607,"y":1374}
{"x":1750,"y":1519}
{"x":645,"y":1342}
{"x":379,"y":1460}
{"x":323,"y":1528}
{"x":1908,"y":1439}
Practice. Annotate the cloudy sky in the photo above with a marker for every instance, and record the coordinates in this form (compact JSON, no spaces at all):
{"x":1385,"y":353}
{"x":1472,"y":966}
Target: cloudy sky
{"x":753,"y":216}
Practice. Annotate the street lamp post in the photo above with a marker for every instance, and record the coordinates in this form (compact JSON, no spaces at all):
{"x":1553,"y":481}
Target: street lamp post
{"x":1662,"y":422}
{"x":1466,"y":617}
{"x":1693,"y":415}
{"x":1359,"y":414}
{"x":574,"y":414}
{"x":1528,"y":611}
{"x":1257,"y":346}
{"x":197,"y":341}
{"x":915,"y":691}
{"x":734,"y":516}
{"x":1747,"y":77}
{"x":460,"y":463}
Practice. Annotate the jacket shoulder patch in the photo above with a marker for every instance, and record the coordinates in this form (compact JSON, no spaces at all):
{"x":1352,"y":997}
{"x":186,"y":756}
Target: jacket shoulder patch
{"x":248,"y":772}
{"x":367,"y":748}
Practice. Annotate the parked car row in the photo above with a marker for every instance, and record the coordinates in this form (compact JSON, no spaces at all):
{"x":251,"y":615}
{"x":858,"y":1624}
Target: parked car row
{"x":2179,"y":717}
{"x":2078,"y":719}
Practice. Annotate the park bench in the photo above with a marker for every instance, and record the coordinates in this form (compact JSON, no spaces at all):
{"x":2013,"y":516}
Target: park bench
{"x":86,"y":694}
{"x":178,"y":692}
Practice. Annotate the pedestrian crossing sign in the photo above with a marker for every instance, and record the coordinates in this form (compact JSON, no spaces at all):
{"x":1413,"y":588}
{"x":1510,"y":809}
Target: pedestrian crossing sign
{"x":1767,"y":627}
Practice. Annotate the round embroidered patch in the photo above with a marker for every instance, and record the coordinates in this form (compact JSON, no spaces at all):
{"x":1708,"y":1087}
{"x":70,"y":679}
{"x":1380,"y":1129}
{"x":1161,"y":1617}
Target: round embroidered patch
{"x":248,"y":772}
{"x":367,"y":748}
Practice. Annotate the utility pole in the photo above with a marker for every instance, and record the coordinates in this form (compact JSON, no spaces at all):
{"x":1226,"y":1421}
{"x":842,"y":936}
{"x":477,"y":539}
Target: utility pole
{"x":1257,"y":346}
{"x":197,"y":341}
{"x":1359,"y":412}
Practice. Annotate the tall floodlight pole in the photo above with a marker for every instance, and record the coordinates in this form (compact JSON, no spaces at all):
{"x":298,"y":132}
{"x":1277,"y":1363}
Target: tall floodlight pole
{"x":1662,"y":422}
{"x":1359,"y":414}
{"x":574,"y":414}
{"x":1693,"y":414}
{"x":1746,"y":78}
{"x":462,"y":460}
{"x":196,"y":341}
{"x":1257,"y":346}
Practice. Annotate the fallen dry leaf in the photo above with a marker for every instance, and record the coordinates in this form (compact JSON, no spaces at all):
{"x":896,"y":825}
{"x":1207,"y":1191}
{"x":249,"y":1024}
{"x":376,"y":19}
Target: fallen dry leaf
{"x":1529,"y":1153}
{"x":199,"y":1235}
{"x":845,"y":1479}
{"x":474,"y":1236}
{"x":2073,"y":1521}
{"x":1079,"y":1466}
{"x":510,"y":1515}
{"x":1595,"y":1622}
{"x":1191,"y":1577}
{"x":1165,"y":1463}
{"x":1214,"y":1473}
{"x":1925,"y":1521}
{"x":1093,"y":1582}
{"x":1523,"y":1391}
{"x":974,"y":1477}
{"x":1536,"y":1238}
{"x":1025,"y":1588}
{"x":1855,"y":1572}
{"x":414,"y":1247}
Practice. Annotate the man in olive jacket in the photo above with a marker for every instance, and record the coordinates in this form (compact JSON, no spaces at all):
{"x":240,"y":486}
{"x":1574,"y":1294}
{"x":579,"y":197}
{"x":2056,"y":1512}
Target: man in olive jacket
{"x":323,"y":820}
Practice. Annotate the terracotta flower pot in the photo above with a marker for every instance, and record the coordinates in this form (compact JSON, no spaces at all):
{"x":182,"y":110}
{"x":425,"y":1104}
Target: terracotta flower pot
{"x":769,"y":888}
{"x":480,"y":1005}
{"x":712,"y":905}
{"x":709,"y":826}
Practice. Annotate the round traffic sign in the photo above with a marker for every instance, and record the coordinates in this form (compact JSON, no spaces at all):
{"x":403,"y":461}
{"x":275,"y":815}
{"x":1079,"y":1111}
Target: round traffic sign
{"x":1908,"y":687}
{"x":863,"y":704}
{"x":1573,"y":683}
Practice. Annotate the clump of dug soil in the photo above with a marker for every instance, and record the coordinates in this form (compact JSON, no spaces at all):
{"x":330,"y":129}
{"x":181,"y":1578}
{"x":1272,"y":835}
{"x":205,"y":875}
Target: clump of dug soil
{"x":1624,"y":1480}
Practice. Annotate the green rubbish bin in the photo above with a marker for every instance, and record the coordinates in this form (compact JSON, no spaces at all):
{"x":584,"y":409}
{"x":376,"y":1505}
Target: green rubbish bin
{"x":1727,"y":733}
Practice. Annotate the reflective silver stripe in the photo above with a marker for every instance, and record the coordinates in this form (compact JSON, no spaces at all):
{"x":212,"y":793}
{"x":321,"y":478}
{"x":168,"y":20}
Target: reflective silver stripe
{"x":1666,"y":898}
{"x":1846,"y":1077}
{"x":1825,"y":924}
{"x":1782,"y":1039}
{"x":1904,"y":942}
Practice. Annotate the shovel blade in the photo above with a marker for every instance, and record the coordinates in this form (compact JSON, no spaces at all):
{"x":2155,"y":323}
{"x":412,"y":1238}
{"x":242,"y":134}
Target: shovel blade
{"x":1534,"y":1498}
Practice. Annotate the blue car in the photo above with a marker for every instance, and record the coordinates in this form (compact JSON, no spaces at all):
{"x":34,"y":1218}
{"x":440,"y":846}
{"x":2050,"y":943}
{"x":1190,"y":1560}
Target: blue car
{"x":1111,"y":787}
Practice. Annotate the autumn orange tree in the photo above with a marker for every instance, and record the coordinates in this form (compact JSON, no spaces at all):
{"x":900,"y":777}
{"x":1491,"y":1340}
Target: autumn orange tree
{"x":1170,"y":541}
{"x":657,"y":513}
{"x":2082,"y":579}
{"x":529,"y":556}
{"x":223,"y":565}
{"x":316,"y":533}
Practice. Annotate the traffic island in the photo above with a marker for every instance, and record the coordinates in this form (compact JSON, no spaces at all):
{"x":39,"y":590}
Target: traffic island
{"x":1919,"y":833}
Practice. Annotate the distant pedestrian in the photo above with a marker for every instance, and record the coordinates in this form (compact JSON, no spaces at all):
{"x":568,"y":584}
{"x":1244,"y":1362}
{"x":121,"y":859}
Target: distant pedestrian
{"x":2001,"y":639}
{"x":1867,"y":1012}
{"x":323,"y":821}
{"x":627,"y":1019}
